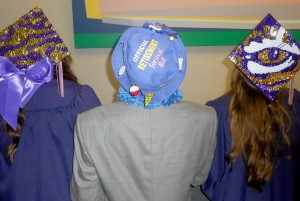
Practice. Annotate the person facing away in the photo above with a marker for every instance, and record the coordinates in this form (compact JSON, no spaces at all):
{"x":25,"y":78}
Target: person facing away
{"x":150,"y":145}
{"x":36,"y":142}
{"x":257,"y":157}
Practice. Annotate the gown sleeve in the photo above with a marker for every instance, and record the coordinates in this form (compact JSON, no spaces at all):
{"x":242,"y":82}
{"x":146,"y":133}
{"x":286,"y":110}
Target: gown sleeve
{"x":87,"y":99}
{"x":219,"y":165}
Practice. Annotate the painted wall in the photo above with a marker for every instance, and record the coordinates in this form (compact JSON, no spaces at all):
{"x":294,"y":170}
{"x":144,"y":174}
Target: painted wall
{"x":208,"y":67}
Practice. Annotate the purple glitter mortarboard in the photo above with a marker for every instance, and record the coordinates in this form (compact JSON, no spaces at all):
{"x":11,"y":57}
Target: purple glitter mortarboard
{"x":31,"y":38}
{"x":269,"y":57}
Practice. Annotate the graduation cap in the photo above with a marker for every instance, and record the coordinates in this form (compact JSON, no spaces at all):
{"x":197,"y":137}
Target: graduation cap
{"x":29,"y":48}
{"x":269,"y":57}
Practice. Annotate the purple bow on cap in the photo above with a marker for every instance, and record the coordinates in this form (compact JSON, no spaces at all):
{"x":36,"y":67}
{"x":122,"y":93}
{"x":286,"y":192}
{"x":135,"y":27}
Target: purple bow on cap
{"x":18,"y":86}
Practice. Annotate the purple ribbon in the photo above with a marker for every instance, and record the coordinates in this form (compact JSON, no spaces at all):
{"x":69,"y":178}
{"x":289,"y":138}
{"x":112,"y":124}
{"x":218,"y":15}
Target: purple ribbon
{"x":18,"y":86}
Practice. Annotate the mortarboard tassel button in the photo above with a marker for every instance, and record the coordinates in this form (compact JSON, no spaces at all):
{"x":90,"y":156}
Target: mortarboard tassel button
{"x":134,"y":90}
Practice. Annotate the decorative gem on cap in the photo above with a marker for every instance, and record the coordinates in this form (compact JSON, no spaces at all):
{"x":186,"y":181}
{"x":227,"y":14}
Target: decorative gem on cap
{"x":269,"y":57}
{"x":122,"y":70}
{"x":31,"y":38}
{"x":161,"y":28}
{"x":134,"y":90}
{"x":152,"y":57}
{"x":148,"y":98}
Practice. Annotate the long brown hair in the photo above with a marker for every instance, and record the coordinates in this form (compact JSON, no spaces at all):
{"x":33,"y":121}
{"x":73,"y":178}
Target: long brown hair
{"x":258,"y":129}
{"x":15,"y":135}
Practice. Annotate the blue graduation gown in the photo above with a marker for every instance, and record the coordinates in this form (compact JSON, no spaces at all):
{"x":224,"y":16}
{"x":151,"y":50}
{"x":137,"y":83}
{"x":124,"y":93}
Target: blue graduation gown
{"x":224,"y":184}
{"x":43,"y":162}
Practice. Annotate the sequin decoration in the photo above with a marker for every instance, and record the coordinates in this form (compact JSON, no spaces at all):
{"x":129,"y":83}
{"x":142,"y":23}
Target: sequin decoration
{"x":31,"y":38}
{"x":269,"y":56}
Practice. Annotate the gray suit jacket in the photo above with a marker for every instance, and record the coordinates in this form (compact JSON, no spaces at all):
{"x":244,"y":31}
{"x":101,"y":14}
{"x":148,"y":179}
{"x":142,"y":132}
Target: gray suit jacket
{"x":128,"y":153}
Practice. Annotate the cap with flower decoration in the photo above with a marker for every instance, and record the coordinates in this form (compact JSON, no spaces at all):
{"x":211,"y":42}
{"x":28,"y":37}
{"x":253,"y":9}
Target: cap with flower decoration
{"x":269,"y":57}
{"x":29,"y":48}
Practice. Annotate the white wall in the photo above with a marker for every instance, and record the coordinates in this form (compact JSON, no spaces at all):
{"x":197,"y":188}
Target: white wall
{"x":208,"y":67}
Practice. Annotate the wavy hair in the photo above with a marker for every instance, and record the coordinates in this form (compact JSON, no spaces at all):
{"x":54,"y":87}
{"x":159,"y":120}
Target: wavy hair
{"x":15,"y":135}
{"x":258,"y":130}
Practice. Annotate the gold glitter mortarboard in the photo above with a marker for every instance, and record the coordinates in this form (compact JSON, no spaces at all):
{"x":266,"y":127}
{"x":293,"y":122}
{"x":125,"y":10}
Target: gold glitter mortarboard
{"x":31,"y":38}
